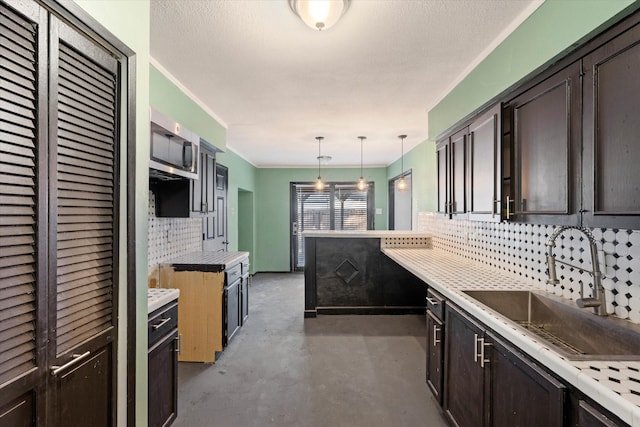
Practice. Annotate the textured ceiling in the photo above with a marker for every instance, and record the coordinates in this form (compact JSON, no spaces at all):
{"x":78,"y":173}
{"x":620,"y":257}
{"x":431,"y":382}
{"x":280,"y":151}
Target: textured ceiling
{"x":277,"y":84}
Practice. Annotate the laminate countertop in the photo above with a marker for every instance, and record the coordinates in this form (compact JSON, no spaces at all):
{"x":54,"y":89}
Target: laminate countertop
{"x":613,"y":384}
{"x":206,"y":261}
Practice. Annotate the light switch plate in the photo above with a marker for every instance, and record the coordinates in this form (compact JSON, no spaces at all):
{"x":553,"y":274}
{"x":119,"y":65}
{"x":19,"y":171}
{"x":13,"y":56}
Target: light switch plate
{"x":378,"y":211}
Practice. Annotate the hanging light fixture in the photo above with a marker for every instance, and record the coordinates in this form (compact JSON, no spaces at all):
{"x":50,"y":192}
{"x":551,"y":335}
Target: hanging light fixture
{"x":362,"y":183}
{"x":401,"y":183}
{"x":319,"y":185}
{"x":319,"y":14}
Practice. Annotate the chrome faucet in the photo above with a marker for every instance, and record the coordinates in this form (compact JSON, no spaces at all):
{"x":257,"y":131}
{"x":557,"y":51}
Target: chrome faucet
{"x":597,"y":301}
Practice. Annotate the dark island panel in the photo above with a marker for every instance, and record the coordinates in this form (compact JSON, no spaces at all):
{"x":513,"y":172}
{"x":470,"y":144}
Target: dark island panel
{"x":352,"y":276}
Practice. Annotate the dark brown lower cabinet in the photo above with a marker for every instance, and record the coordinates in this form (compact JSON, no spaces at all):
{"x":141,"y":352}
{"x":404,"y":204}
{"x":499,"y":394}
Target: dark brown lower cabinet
{"x":435,"y":343}
{"x":589,"y":416}
{"x":163,"y":366}
{"x":489,"y":383}
{"x":435,"y":352}
{"x":464,"y":376}
{"x":521,"y":394}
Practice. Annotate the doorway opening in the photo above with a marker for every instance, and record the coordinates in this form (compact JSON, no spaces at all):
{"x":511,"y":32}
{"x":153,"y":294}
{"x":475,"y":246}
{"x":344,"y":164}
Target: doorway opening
{"x":400,"y":206}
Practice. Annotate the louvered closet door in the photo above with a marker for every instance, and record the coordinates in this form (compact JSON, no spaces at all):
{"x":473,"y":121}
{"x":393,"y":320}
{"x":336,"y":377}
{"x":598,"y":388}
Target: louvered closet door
{"x":84,"y":81}
{"x":22,"y":304}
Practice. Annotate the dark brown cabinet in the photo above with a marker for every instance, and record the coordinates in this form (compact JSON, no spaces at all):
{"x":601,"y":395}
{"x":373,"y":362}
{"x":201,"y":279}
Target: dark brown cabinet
{"x":611,"y":151}
{"x":590,"y":416}
{"x":452,"y":174}
{"x":490,"y":383}
{"x":464,"y":374}
{"x":485,"y":166}
{"x":163,"y":365}
{"x":546,"y":149}
{"x":435,"y":344}
{"x":203,"y":191}
{"x":470,"y":169}
{"x":521,"y":393}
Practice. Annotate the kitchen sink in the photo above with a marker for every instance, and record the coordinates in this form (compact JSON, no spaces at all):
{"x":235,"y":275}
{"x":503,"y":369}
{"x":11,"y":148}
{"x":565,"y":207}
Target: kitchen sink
{"x":576,"y":334}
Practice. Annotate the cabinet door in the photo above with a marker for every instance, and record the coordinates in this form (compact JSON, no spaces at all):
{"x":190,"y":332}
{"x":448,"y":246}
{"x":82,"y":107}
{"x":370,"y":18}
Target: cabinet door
{"x":245,"y":299}
{"x":443,"y":177}
{"x":163,"y":381}
{"x":197,"y":186}
{"x":521,"y":393}
{"x":546,"y":140}
{"x":233,"y":308}
{"x":464,"y":376}
{"x":435,"y":360}
{"x":611,"y":128}
{"x":588,"y":416}
{"x":458,"y":145}
{"x":485,"y":180}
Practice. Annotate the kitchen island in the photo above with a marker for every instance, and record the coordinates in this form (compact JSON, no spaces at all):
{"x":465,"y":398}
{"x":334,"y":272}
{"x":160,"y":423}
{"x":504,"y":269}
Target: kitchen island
{"x":345,"y":273}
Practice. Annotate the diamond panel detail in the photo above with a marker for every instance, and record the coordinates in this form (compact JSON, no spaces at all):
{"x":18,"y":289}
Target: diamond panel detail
{"x":347,"y":271}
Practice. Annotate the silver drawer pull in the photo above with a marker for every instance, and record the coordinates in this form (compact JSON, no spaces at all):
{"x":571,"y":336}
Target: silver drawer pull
{"x":436,"y":341}
{"x":179,"y":346}
{"x":433,"y":301}
{"x":160,"y":324}
{"x":76,"y":359}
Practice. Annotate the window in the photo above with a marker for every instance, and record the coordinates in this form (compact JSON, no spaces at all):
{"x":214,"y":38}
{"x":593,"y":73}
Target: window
{"x":341,"y":206}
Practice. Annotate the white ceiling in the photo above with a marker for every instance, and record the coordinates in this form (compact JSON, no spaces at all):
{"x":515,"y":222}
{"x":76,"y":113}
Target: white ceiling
{"x":276,"y":84}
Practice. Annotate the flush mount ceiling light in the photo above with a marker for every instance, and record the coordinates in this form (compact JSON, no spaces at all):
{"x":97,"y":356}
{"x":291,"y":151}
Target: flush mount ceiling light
{"x":362,"y":184}
{"x":319,"y":14}
{"x":401,"y":183}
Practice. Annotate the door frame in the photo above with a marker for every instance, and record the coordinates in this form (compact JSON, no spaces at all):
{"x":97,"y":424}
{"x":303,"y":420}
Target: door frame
{"x":392,"y":197}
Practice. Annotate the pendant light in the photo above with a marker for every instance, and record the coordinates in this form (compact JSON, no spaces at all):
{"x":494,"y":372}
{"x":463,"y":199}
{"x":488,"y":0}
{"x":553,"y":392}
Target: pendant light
{"x":362,"y":184}
{"x":319,"y":185}
{"x":319,"y":14}
{"x":401,"y":183}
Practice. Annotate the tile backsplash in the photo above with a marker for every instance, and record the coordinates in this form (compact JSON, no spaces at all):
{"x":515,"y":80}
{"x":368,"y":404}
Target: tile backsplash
{"x":171,"y":237}
{"x":519,"y":250}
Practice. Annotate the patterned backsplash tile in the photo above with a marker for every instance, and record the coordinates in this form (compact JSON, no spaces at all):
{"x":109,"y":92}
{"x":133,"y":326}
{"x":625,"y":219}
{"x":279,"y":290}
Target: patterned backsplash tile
{"x":519,"y":250}
{"x":171,"y":237}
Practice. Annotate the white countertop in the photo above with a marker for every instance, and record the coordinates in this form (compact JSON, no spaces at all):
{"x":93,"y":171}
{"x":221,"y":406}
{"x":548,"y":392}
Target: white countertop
{"x":204,"y":259}
{"x":363,"y":233}
{"x":613,"y":384}
{"x":157,"y":297}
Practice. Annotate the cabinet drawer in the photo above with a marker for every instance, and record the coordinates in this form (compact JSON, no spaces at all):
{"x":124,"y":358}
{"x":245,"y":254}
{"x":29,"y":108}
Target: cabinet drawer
{"x":162,"y":321}
{"x":435,"y":303}
{"x":233,"y":273}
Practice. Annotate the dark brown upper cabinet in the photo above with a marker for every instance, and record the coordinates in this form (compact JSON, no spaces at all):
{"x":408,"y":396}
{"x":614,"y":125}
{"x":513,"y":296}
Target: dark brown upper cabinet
{"x":611,"y":129}
{"x":469,"y":169}
{"x":452,"y":174}
{"x":546,"y":150}
{"x":485,"y":166}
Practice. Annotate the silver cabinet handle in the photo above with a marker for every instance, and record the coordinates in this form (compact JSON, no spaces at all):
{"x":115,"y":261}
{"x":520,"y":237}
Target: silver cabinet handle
{"x":55,"y":370}
{"x":509,"y":202}
{"x":475,"y":348}
{"x":159,"y":324}
{"x":483,"y":359}
{"x":479,"y":355}
{"x":432,"y":301}
{"x":179,"y":347}
{"x":436,"y":341}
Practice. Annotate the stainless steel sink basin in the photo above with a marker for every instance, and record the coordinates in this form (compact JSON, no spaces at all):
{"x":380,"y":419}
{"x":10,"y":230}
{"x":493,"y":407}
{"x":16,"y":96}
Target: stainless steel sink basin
{"x":575,"y":333}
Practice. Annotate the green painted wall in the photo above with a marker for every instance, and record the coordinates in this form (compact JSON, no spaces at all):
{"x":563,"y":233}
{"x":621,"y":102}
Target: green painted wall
{"x":422,"y":162}
{"x":272,"y":208}
{"x":171,"y":101}
{"x":247,"y":226}
{"x":167,"y":98}
{"x":129,"y":22}
{"x":551,"y":30}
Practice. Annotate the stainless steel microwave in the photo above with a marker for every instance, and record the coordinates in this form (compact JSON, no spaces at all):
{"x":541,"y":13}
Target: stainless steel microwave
{"x":174,"y":150}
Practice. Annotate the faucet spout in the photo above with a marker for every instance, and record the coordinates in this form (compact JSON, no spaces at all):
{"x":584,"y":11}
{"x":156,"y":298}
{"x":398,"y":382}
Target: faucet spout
{"x":597,"y":301}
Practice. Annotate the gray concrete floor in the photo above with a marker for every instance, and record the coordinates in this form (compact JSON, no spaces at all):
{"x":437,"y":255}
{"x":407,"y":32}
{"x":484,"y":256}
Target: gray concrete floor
{"x":284,"y":370}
